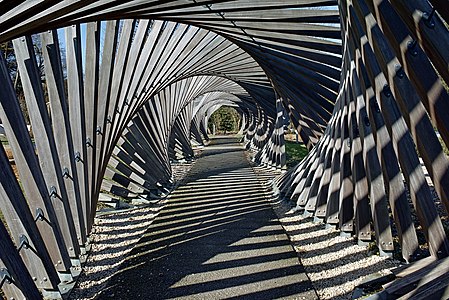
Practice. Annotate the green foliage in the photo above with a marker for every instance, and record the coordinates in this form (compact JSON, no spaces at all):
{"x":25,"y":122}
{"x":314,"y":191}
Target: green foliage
{"x":295,"y":153}
{"x":10,"y":58}
{"x":446,"y":87}
{"x":443,"y":145}
{"x":7,"y":50}
{"x":226,"y":120}
{"x":4,"y":140}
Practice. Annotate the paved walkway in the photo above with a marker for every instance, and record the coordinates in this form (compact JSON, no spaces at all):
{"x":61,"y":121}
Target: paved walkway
{"x":216,"y":238}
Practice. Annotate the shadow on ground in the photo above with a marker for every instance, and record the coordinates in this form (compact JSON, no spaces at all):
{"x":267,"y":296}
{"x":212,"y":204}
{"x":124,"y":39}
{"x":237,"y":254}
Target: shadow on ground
{"x":217,"y":237}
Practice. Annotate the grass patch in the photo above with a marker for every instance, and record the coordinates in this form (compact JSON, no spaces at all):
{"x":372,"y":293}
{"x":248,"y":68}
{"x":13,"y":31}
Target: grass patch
{"x":295,"y":153}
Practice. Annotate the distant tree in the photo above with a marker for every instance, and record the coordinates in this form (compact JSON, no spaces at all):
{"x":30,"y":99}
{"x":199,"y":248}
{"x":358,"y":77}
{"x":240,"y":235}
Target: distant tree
{"x":8,"y":53}
{"x":226,"y":120}
{"x":7,"y":50}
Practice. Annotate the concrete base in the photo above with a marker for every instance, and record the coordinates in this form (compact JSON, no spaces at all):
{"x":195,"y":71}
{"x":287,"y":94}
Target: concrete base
{"x":331,"y":226}
{"x":318,"y":220}
{"x":388,"y":254}
{"x":296,"y":208}
{"x":140,"y":201}
{"x":62,"y":293}
{"x":75,"y":262}
{"x":53,"y":295}
{"x":65,"y":277}
{"x":86,"y":248}
{"x":65,"y":289}
{"x":307,"y":214}
{"x":345,"y":234}
{"x":363,"y":243}
{"x":109,"y":201}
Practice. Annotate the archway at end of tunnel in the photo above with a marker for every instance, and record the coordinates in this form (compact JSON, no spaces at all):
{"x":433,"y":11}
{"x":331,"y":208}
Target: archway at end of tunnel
{"x":225,"y":120}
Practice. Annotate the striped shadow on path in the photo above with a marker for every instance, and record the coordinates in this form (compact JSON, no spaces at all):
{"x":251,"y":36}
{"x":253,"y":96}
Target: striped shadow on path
{"x":217,"y":238}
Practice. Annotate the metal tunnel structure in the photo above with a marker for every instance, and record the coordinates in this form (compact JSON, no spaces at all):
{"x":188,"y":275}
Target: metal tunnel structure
{"x":122,"y":88}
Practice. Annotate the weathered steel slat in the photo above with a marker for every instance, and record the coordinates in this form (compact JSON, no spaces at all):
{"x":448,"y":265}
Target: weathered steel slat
{"x":404,"y":149}
{"x":28,"y":167}
{"x":23,"y":229}
{"x":61,"y":128}
{"x":44,"y":140}
{"x":19,"y":275}
{"x":75,"y":98}
{"x":378,"y":201}
{"x":396,"y":190}
{"x":91,"y":80}
{"x":414,"y":114}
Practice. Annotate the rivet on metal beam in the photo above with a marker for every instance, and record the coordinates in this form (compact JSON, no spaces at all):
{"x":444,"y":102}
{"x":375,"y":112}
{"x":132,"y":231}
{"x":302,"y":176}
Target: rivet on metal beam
{"x":411,"y":46}
{"x":109,"y":120}
{"x":375,"y":106}
{"x":367,"y":122}
{"x":98,"y":131}
{"x":386,"y":90}
{"x":355,"y":131}
{"x":399,"y":71}
{"x":428,"y":19}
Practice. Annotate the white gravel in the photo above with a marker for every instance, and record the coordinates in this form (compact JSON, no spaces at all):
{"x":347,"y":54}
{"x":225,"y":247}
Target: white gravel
{"x":112,"y":238}
{"x":334,"y":264}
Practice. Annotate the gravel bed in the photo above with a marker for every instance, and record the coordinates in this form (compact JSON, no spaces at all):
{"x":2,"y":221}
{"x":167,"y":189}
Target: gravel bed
{"x":334,"y":264}
{"x":112,"y":238}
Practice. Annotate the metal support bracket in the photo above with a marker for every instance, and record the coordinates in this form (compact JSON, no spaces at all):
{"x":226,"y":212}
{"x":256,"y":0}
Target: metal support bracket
{"x":387,"y":91}
{"x":65,"y":173}
{"x":53,"y":192}
{"x":88,"y":142}
{"x":5,"y":277}
{"x":411,"y":46}
{"x":428,"y":18}
{"x":39,"y":215}
{"x":77,"y":157}
{"x":24,"y":242}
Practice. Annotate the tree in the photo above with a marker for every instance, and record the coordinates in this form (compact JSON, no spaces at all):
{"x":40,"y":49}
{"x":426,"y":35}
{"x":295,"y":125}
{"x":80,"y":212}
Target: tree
{"x":226,"y":120}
